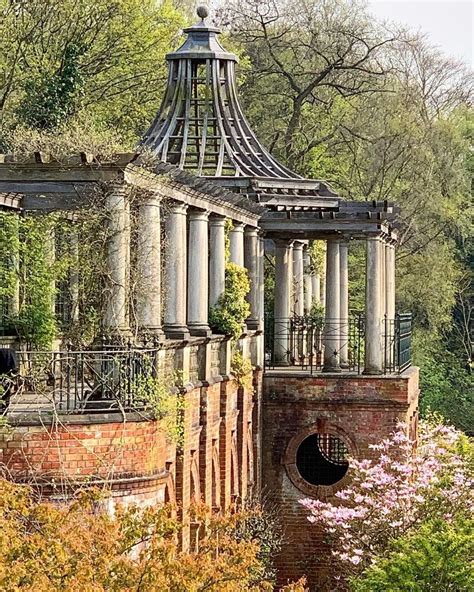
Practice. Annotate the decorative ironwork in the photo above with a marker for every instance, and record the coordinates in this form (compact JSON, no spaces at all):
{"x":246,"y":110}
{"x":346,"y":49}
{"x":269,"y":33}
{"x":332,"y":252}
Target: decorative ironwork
{"x":298,"y":342}
{"x":322,"y":459}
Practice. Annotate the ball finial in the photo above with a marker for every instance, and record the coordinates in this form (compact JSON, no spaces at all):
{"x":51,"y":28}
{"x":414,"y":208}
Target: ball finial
{"x":202,"y":11}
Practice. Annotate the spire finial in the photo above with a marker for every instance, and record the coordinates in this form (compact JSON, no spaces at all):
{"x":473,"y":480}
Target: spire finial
{"x":202,"y":11}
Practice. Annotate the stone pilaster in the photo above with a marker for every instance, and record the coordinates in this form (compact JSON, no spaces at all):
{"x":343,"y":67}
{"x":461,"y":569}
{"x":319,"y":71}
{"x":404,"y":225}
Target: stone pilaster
{"x":332,"y":319}
{"x":175,"y":269}
{"x":118,"y":256}
{"x":198,"y":279}
{"x":251,"y":260}
{"x":216,"y":258}
{"x":373,"y":308}
{"x":236,"y":237}
{"x":149,"y":265}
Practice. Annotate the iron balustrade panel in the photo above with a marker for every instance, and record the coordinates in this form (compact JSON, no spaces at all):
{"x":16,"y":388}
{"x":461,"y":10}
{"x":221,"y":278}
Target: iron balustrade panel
{"x":300,"y":341}
{"x":84,"y":381}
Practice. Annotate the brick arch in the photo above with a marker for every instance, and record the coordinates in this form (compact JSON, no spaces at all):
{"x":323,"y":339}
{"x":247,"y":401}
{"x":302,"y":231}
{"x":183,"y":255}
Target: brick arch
{"x":289,"y":461}
{"x":195,"y":478}
{"x":234,"y":466}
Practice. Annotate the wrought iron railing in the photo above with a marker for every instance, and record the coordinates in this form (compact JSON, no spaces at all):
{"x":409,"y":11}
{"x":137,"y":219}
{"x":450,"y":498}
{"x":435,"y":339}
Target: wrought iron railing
{"x":300,"y":342}
{"x":81,"y":381}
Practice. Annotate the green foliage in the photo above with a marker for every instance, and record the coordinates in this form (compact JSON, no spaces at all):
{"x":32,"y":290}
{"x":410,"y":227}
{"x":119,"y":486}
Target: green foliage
{"x":241,"y":369}
{"x":439,"y":556}
{"x":317,"y":253}
{"x":232,"y":309}
{"x":317,"y":314}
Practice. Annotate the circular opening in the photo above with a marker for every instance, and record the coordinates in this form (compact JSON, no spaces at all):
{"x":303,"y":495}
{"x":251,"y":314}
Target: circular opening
{"x":321,"y":459}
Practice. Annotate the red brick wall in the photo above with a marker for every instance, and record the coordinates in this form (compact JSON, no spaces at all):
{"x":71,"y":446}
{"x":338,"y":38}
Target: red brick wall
{"x":360,"y":410}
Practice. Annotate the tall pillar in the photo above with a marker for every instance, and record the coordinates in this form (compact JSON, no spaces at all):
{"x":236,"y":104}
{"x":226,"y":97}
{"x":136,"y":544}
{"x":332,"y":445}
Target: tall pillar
{"x":373,"y":309}
{"x":308,"y":281}
{"x":198,"y":278}
{"x":316,"y":287}
{"x":175,"y":269}
{"x":149,"y":265}
{"x":332,"y":320}
{"x":251,"y":259}
{"x":261,"y":281}
{"x":282,"y":304}
{"x":236,"y":238}
{"x":74,"y":276}
{"x":344,"y":305}
{"x":298,"y":276}
{"x":382,"y":280}
{"x":216,"y":258}
{"x":14,"y":304}
{"x":118,"y":249}
{"x":322,"y":292}
{"x":390,"y":281}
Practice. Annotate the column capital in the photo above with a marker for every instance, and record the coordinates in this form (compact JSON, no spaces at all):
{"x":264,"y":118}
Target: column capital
{"x":283,"y":242}
{"x":237,"y":226}
{"x":298,"y":245}
{"x":217,"y":220}
{"x":251,"y":231}
{"x":150,"y":199}
{"x":178,"y":207}
{"x":198,"y":215}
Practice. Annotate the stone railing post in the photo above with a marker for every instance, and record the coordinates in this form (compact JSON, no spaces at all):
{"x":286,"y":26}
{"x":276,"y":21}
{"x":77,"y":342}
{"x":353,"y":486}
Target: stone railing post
{"x":149,"y":265}
{"x":198,"y":278}
{"x":175,"y":270}
{"x":332,"y":319}
{"x":118,"y":257}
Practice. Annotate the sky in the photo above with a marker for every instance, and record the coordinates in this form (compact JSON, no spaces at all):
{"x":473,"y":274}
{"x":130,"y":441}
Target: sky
{"x":448,"y":23}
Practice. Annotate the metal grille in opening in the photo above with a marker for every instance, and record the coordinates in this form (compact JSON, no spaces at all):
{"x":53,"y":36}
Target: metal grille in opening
{"x":321,"y":459}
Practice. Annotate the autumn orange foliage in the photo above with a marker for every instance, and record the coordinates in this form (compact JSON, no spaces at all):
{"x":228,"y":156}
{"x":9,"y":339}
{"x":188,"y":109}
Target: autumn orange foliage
{"x":80,"y":547}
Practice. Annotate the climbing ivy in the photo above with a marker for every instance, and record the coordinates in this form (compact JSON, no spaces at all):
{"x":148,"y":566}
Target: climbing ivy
{"x":232,"y":308}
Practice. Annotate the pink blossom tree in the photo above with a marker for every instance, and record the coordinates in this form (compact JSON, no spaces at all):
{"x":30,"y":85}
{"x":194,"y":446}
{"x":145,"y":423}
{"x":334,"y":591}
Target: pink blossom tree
{"x":392,"y":495}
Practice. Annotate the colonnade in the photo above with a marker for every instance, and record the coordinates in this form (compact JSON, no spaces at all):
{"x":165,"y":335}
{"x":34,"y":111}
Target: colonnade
{"x":194,"y":267}
{"x":297,"y":287}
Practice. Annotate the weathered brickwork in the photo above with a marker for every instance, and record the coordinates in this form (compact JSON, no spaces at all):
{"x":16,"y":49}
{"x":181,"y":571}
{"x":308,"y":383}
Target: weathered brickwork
{"x":359,"y":410}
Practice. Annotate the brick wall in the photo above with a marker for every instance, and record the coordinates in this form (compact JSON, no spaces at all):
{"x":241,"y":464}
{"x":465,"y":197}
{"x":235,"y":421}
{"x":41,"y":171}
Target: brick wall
{"x":360,"y":410}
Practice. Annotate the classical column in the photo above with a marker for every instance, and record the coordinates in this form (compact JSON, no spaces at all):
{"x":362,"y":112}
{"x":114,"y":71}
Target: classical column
{"x":198,"y":278}
{"x":251,"y":255}
{"x":382,"y":280}
{"x":390,"y":281}
{"x":216,"y":258}
{"x":298,"y":275}
{"x":308,"y":280}
{"x":14,"y":303}
{"x":175,"y":273}
{"x":322,"y":292}
{"x":261,"y":280}
{"x":344,"y":305}
{"x":118,"y":249}
{"x":149,"y":265}
{"x":373,"y":309}
{"x":316,"y":287}
{"x":74,"y":276}
{"x":236,"y":237}
{"x":332,"y":320}
{"x":282,"y":304}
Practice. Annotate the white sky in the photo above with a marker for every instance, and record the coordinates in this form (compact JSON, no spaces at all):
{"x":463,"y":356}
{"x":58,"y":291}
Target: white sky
{"x":448,"y":23}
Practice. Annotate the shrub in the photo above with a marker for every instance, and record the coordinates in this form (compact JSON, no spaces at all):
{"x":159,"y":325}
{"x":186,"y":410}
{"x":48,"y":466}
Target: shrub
{"x":232,"y":309}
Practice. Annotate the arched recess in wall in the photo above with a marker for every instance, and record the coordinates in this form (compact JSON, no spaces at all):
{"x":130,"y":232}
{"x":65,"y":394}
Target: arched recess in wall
{"x":234,"y":467}
{"x":317,"y":459}
{"x":216,"y":476}
{"x":170,"y":489}
{"x":195,"y":480}
{"x":250,"y":458}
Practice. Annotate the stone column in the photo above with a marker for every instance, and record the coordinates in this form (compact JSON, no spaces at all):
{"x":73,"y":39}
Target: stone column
{"x":175,"y":273}
{"x":198,"y":278}
{"x":390,"y":281}
{"x":332,"y":320}
{"x":14,"y":303}
{"x":322,"y":292}
{"x":216,"y":258}
{"x":298,"y":277}
{"x":118,"y":255}
{"x":251,"y":255}
{"x":74,"y":276}
{"x":316,"y":287}
{"x":149,"y":265}
{"x":237,"y":244}
{"x":382,"y":280}
{"x":344,"y":305}
{"x":282,"y":305}
{"x":308,"y":281}
{"x":261,"y":281}
{"x":373,"y":309}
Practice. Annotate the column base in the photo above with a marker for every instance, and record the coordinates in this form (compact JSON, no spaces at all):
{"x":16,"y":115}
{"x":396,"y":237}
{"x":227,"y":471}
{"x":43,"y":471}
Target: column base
{"x":199,"y":330}
{"x":331,"y":369}
{"x":372,"y":372}
{"x":176,"y":332}
{"x":152,"y":333}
